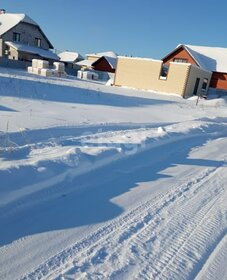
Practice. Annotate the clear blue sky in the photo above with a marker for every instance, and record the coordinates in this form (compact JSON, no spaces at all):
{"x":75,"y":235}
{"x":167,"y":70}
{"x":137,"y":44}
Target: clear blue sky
{"x":146,"y":28}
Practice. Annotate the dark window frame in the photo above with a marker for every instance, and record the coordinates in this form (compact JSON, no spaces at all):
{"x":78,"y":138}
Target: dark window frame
{"x":38,"y":42}
{"x":205,"y":84}
{"x":16,"y":37}
{"x":164,"y":72}
{"x":180,"y":60}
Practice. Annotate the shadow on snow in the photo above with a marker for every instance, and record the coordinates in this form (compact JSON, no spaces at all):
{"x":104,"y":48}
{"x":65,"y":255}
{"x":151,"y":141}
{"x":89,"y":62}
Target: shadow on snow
{"x":89,"y":200}
{"x":38,"y":90}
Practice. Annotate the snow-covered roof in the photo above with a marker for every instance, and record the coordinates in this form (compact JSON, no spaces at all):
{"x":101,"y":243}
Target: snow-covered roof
{"x":89,"y":63}
{"x":69,"y":56}
{"x":34,"y":50}
{"x":111,"y":60}
{"x":8,"y":21}
{"x":212,"y":59}
{"x":209,"y":58}
{"x":85,"y":62}
{"x":108,"y":54}
{"x":139,"y":58}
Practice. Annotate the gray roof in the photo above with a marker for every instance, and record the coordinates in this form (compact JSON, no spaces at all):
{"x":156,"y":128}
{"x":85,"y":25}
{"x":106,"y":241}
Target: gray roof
{"x":8,"y":21}
{"x":33,"y":50}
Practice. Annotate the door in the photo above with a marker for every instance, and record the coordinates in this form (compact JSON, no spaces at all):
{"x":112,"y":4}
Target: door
{"x":196,"y":86}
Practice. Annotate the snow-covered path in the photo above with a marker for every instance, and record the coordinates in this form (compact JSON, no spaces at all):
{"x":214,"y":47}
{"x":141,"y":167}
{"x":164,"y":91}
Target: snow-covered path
{"x":140,"y":198}
{"x":170,"y":223}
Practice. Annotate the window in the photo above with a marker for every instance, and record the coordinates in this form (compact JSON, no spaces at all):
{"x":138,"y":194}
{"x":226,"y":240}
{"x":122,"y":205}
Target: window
{"x":180,"y":60}
{"x":16,"y":37}
{"x":164,"y":72}
{"x":38,"y":42}
{"x":204,"y":85}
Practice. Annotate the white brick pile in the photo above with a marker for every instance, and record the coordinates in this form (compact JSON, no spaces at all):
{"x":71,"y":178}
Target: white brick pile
{"x":87,"y":75}
{"x":41,"y":67}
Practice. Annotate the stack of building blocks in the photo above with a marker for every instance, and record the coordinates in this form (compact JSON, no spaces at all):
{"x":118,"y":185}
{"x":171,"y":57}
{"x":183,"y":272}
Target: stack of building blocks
{"x":87,"y":75}
{"x":41,"y":67}
{"x":59,"y":69}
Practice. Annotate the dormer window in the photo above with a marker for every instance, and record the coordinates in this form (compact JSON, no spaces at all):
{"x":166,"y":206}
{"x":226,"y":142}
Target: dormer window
{"x":38,"y":42}
{"x":16,"y":37}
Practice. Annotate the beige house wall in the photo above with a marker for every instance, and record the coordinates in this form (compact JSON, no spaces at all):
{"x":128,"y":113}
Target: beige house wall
{"x":196,"y":72}
{"x":1,"y":47}
{"x":93,"y":58}
{"x":145,"y":74}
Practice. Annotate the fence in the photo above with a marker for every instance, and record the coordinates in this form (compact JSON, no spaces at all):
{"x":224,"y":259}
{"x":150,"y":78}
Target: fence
{"x":10,"y":63}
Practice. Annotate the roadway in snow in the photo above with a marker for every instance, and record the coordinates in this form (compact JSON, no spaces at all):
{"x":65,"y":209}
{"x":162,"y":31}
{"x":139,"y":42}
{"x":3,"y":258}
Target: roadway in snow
{"x":121,"y":199}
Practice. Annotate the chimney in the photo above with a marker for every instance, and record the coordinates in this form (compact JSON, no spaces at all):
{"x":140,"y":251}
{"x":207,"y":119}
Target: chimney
{"x":2,"y":11}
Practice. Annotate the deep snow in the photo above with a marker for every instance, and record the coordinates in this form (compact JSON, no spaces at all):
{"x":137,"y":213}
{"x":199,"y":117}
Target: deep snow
{"x":100,"y":182}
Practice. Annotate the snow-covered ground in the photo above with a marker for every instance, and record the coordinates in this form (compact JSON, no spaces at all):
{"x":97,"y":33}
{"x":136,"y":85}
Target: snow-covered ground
{"x":100,"y":182}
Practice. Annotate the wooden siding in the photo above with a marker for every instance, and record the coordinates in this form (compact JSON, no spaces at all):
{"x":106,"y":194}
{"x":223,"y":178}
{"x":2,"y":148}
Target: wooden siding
{"x":219,"y":80}
{"x":103,"y":65}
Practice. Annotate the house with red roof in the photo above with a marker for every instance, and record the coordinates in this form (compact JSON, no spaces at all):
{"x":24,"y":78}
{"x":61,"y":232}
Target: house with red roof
{"x":212,"y":59}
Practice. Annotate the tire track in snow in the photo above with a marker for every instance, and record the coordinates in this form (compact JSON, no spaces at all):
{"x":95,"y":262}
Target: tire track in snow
{"x":146,"y":235}
{"x":114,"y":235}
{"x":186,"y":239}
{"x":215,"y":266}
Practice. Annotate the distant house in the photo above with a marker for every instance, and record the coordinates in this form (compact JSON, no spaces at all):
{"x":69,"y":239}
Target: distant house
{"x":21,"y":38}
{"x":211,"y":59}
{"x":104,"y":61}
{"x":70,"y":58}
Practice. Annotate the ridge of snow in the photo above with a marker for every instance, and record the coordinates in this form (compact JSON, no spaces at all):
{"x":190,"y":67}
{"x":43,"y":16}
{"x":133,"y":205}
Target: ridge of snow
{"x":108,"y":54}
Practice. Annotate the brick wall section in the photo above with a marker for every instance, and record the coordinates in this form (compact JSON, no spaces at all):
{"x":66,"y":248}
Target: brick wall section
{"x":145,"y":74}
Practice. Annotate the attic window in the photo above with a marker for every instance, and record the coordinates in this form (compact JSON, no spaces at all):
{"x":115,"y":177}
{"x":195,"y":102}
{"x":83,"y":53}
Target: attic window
{"x":180,"y":60}
{"x":16,"y":37}
{"x":38,"y":42}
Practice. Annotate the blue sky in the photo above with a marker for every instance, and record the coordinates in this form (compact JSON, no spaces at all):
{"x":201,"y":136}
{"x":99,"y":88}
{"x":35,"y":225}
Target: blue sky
{"x":145,"y":28}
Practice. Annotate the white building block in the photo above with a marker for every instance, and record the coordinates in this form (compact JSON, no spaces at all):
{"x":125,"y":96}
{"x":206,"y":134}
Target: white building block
{"x":89,"y":75}
{"x":42,"y":64}
{"x":46,"y":72}
{"x":36,"y":71}
{"x":59,"y":66}
{"x":35,"y":63}
{"x":79,"y":74}
{"x":30,"y":69}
